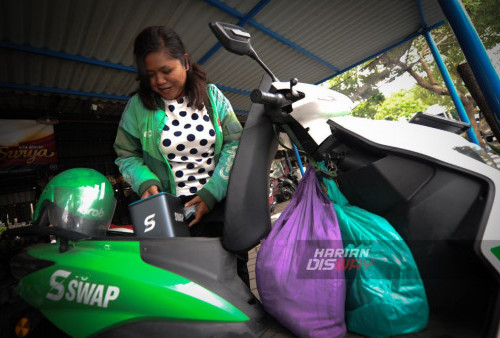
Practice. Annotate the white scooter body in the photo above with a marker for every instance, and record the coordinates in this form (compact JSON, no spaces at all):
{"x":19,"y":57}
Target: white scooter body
{"x":321,"y":104}
{"x":431,"y":185}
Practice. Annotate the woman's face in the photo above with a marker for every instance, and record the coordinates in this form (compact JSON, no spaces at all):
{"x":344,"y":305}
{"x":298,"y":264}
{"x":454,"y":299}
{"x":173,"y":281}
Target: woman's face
{"x":167,"y":76}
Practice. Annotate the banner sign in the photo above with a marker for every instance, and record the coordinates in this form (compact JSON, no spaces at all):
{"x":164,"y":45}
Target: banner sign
{"x":26,"y":143}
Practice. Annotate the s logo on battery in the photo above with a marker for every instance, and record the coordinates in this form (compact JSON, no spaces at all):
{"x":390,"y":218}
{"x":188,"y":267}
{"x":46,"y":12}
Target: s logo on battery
{"x":149,"y":222}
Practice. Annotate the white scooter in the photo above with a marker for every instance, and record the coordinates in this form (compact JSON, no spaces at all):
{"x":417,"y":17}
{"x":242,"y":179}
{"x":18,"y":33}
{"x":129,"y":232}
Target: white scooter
{"x":433,"y":186}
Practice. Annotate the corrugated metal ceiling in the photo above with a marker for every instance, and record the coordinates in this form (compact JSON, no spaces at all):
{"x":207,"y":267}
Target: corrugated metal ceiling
{"x":310,"y":40}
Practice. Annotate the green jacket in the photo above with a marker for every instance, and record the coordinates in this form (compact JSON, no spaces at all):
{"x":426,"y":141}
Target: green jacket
{"x":141,"y":162}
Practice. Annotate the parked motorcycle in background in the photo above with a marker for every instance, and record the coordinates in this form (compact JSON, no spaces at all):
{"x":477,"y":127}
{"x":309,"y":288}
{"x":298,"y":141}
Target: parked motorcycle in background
{"x":284,"y":179}
{"x":287,"y":186}
{"x":272,"y":200}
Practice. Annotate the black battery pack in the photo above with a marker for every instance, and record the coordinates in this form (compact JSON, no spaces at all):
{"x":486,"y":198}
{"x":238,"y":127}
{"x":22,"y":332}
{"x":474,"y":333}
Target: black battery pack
{"x":159,"y":216}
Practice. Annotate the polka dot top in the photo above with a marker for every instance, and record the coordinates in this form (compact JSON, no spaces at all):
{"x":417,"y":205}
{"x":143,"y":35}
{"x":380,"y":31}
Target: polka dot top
{"x":188,"y":142}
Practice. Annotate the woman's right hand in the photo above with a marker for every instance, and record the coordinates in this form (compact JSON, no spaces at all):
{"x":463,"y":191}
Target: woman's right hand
{"x":150,"y":191}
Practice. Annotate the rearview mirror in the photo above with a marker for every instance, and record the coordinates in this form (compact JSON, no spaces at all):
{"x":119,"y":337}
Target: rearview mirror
{"x":234,"y":38}
{"x":237,"y":40}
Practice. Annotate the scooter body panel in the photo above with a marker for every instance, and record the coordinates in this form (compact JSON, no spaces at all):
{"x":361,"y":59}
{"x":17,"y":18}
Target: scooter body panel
{"x":435,"y":189}
{"x":441,"y":147}
{"x":108,"y":284}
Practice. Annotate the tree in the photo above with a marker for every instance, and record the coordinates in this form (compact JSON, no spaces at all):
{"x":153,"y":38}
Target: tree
{"x":400,"y":105}
{"x":416,"y":59}
{"x":369,"y":107}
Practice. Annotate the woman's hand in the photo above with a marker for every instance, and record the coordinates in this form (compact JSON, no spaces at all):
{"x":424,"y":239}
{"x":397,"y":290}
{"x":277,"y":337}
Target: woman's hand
{"x":201,"y":210}
{"x":150,"y":191}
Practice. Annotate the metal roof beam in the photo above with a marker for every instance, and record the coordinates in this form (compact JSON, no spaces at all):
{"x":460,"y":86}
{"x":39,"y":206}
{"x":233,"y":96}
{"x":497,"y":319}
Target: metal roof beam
{"x":91,"y":94}
{"x":239,"y":111}
{"x":62,"y":91}
{"x":445,"y":74}
{"x":77,"y":58}
{"x":234,"y":90}
{"x":231,"y":11}
{"x":423,"y":23}
{"x":449,"y":84}
{"x":65,"y":56}
{"x":475,"y":53}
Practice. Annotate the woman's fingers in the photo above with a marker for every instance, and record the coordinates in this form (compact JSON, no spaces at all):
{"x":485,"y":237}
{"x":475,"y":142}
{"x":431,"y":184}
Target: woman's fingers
{"x":150,"y":191}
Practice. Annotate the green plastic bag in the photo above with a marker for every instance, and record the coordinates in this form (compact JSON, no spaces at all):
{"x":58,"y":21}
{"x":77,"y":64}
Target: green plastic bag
{"x":385,"y":294}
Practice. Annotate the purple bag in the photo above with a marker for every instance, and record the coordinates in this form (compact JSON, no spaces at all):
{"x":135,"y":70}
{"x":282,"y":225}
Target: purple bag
{"x":299,"y":265}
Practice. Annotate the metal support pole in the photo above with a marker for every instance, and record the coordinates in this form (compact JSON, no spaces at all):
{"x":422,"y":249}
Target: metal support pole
{"x":449,"y":84}
{"x":299,"y":161}
{"x":474,"y":52}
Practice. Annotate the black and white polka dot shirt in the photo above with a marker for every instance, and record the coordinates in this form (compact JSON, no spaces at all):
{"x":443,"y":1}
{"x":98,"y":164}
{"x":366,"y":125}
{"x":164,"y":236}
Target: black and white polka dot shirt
{"x":188,"y":143}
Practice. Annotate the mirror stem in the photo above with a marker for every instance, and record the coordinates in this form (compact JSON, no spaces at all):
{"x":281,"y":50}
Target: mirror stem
{"x":254,"y":56}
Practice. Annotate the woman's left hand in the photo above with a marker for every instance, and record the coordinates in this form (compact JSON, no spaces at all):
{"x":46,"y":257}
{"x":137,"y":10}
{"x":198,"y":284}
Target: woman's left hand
{"x":201,"y":209}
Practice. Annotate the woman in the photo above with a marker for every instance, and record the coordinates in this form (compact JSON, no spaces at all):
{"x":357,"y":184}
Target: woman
{"x":178,"y":134}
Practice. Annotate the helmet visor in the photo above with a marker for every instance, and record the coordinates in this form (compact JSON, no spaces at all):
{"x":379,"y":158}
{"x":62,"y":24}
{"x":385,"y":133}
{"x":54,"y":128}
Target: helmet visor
{"x":87,"y":209}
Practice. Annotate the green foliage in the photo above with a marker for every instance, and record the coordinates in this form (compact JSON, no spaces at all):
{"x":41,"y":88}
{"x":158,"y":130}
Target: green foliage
{"x":369,"y":108}
{"x":485,"y":15}
{"x":360,"y":82}
{"x":429,"y":98}
{"x":401,"y":105}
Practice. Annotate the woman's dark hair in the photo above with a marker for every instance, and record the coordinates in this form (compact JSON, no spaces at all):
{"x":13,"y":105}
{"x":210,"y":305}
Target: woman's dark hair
{"x":160,"y":38}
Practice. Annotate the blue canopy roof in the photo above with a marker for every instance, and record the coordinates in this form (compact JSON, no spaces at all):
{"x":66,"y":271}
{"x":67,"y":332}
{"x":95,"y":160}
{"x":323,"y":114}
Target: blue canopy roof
{"x":80,"y":51}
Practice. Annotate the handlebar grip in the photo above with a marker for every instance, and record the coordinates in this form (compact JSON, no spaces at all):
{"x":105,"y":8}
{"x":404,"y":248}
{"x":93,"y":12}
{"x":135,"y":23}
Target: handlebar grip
{"x":275,"y":100}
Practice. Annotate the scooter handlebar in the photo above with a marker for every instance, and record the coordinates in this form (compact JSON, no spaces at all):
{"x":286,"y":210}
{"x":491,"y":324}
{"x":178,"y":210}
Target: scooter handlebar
{"x":275,"y":100}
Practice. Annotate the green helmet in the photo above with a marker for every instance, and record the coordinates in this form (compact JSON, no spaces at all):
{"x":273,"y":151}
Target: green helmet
{"x":79,"y":199}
